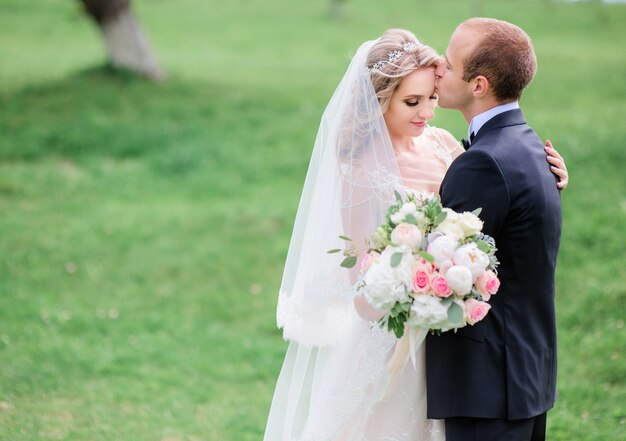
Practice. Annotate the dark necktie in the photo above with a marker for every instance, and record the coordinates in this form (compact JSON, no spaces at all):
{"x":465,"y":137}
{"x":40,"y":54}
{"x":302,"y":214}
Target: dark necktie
{"x":471,"y":137}
{"x":465,"y":143}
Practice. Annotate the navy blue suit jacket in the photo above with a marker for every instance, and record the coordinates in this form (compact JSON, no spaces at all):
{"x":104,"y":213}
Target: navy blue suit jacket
{"x":505,"y":365}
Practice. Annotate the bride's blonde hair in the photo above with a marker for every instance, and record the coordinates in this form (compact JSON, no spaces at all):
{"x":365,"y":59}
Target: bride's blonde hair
{"x":386,"y":75}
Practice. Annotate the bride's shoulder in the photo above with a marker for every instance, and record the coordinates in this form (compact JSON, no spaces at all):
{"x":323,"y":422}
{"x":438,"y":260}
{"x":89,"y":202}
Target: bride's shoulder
{"x":444,"y":143}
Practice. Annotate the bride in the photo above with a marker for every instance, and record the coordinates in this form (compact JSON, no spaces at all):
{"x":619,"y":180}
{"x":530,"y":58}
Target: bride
{"x":344,"y":378}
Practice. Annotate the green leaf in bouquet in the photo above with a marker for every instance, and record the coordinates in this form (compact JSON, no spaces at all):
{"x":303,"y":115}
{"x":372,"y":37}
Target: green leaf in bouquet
{"x":483,"y":246}
{"x":426,"y":256}
{"x":440,"y":217}
{"x":345,"y":238}
{"x":395,"y":260}
{"x":410,"y":219}
{"x":477,"y":211}
{"x":398,"y":197}
{"x":333,"y":251}
{"x":446,"y":301}
{"x":349,"y":262}
{"x":455,"y":313}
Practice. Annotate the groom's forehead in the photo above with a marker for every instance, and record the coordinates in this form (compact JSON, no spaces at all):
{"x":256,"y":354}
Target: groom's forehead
{"x":462,"y":43}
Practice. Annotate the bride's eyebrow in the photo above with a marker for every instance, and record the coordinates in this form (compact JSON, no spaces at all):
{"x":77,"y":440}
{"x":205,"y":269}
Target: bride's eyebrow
{"x":414,"y":96}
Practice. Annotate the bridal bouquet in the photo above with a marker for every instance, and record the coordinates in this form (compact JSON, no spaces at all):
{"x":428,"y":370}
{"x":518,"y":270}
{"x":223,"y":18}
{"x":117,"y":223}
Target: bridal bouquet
{"x":426,"y":267}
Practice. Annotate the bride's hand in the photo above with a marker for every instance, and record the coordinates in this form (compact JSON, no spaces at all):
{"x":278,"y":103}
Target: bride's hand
{"x":367,"y":311}
{"x":557,"y":165}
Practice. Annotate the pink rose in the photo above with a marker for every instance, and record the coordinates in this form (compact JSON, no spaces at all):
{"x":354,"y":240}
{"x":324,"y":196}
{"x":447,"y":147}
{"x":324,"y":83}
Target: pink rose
{"x":406,"y":234}
{"x":367,"y":260}
{"x":439,"y":285}
{"x":421,"y":280}
{"x":487,"y":284}
{"x":476,"y":310}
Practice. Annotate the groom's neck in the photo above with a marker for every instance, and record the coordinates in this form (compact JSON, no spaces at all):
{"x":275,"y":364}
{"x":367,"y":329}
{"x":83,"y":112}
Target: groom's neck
{"x":478,"y":106}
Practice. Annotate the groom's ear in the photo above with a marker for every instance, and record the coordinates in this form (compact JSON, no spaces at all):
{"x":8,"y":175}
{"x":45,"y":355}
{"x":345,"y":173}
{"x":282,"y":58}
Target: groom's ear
{"x":480,"y":86}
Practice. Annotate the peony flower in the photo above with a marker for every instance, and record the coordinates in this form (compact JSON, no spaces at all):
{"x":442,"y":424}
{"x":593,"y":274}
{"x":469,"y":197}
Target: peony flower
{"x":487,"y":284}
{"x":475,"y":310}
{"x":439,"y":285}
{"x":470,"y":223}
{"x":427,"y":312}
{"x":384,"y":285}
{"x":442,"y":249}
{"x":472,"y":258}
{"x":367,"y":260}
{"x":459,"y":279}
{"x":406,"y":234}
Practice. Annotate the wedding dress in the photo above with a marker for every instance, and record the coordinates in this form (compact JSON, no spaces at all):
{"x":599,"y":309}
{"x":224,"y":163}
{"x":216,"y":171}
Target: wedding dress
{"x":343,"y":378}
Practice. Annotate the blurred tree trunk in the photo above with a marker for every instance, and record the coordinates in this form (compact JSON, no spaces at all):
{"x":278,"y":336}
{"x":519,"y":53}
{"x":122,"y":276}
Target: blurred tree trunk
{"x":126,"y":44}
{"x":336,"y":10}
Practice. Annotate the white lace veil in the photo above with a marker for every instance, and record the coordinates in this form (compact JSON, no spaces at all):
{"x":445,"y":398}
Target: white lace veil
{"x":326,"y":388}
{"x":349,"y":185}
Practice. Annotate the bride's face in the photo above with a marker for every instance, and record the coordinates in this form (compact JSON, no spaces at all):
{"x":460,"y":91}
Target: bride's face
{"x":412,"y":104}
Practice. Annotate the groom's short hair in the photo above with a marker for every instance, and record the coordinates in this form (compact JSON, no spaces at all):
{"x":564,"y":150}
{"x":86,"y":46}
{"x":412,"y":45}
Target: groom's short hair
{"x":505,"y":56}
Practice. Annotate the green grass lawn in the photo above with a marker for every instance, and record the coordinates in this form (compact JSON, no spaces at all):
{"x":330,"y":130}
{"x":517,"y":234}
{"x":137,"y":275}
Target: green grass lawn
{"x":143,"y":227}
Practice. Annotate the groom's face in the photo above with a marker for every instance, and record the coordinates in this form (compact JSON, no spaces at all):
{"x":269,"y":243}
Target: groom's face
{"x":454,"y":92}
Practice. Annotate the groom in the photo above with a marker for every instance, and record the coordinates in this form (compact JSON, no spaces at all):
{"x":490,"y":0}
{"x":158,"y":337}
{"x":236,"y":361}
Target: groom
{"x":497,"y":379}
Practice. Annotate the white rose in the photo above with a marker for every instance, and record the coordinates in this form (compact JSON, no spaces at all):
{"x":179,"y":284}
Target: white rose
{"x":470,"y":223}
{"x":460,"y":279}
{"x":450,"y":225}
{"x":442,"y":249}
{"x":384,"y":285}
{"x":472,"y":258}
{"x":406,"y":234}
{"x":427,"y":312}
{"x":452,"y":216}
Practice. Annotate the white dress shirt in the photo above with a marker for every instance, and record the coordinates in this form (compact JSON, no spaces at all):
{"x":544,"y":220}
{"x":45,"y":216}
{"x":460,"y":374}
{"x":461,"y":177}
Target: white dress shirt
{"x":479,"y":120}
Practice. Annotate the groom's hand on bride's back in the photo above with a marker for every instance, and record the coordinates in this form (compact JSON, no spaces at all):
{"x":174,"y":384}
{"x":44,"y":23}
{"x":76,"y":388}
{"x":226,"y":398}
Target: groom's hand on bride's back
{"x":557,"y":165}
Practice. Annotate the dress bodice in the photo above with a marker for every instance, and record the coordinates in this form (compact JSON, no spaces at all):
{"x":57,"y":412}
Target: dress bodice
{"x":424,"y":165}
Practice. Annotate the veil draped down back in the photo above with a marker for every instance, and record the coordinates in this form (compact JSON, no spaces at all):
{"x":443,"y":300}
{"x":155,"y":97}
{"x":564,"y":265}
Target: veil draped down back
{"x":350,"y":183}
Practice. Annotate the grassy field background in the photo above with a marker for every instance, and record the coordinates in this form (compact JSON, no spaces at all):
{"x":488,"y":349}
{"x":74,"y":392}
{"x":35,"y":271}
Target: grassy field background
{"x":143,"y":227}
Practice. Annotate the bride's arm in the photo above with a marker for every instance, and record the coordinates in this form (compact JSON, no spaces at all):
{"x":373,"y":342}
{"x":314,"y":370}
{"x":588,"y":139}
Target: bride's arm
{"x":557,"y":163}
{"x":355,"y":215}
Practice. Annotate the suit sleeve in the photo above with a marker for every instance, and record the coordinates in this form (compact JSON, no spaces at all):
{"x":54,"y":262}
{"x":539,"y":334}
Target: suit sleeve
{"x":475,"y":180}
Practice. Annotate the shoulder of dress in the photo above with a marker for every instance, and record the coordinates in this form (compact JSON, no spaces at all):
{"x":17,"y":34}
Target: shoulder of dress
{"x":442,"y":142}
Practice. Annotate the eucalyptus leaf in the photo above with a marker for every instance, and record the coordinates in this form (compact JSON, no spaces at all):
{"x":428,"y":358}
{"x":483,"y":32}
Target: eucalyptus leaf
{"x":345,"y":238}
{"x":349,"y":262}
{"x":410,"y":219}
{"x":446,"y":301}
{"x":333,"y":251}
{"x":483,"y":246}
{"x":396,"y":258}
{"x":477,"y":211}
{"x":427,"y":256}
{"x":455,"y":314}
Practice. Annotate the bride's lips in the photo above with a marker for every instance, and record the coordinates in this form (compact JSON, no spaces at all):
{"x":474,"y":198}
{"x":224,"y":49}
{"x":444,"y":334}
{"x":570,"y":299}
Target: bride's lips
{"x":419,"y":124}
